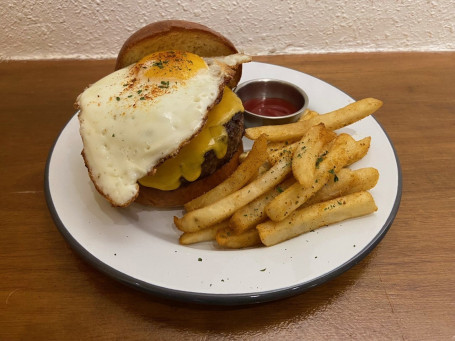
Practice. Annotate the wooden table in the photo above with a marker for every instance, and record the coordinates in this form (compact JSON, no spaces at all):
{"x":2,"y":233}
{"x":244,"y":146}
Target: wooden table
{"x":403,"y":290}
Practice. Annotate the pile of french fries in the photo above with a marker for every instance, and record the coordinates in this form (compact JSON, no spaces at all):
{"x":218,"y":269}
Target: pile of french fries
{"x":295,"y":179}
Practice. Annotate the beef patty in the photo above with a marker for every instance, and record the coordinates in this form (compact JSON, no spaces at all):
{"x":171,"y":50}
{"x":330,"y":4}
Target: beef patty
{"x":235,"y":129}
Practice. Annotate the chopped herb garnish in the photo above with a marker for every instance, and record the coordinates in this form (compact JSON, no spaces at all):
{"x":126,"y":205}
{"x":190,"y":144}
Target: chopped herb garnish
{"x":321,"y":158}
{"x":117,"y":98}
{"x":331,"y":206}
{"x":164,"y":85}
{"x":263,"y":269}
{"x":199,"y":259}
{"x":142,"y":98}
{"x":113,"y":135}
{"x":160,"y":64}
{"x":279,"y":189}
{"x":335,"y":177}
{"x":139,"y":91}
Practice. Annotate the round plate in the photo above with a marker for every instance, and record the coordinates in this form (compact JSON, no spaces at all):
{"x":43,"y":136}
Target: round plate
{"x":139,"y":245}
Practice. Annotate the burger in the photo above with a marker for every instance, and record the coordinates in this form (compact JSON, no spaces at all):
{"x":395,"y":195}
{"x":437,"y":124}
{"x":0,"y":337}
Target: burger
{"x":165,"y":126}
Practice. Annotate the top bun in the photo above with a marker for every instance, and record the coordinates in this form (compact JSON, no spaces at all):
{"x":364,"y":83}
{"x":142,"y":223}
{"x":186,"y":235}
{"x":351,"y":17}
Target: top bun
{"x":176,"y":35}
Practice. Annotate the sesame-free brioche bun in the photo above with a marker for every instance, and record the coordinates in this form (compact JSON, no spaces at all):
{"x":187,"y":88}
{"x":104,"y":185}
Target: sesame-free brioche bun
{"x":176,"y":35}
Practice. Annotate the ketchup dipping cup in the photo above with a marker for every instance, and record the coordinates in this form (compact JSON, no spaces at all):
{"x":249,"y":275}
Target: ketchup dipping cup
{"x":271,"y":101}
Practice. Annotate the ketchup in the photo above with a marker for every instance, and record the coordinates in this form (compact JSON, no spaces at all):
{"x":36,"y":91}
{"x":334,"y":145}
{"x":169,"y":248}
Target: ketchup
{"x":271,"y":107}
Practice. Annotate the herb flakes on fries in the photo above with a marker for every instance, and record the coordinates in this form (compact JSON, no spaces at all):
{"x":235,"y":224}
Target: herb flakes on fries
{"x":294,"y":180}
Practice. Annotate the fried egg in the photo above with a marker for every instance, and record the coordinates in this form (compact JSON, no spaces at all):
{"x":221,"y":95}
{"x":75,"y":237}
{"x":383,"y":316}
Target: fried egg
{"x":137,"y":117}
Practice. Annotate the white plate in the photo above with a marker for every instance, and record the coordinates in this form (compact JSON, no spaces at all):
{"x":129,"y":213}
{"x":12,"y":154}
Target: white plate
{"x":139,"y":246}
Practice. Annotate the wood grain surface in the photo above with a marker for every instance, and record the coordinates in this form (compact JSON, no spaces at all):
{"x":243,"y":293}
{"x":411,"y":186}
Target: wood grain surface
{"x":403,"y":290}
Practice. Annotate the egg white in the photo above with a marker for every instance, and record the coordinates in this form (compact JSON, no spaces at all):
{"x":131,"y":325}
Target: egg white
{"x":127,"y":130}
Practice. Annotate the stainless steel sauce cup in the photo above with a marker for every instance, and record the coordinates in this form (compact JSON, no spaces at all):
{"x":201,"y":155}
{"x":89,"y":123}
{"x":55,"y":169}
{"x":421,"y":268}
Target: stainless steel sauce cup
{"x":272,"y":88}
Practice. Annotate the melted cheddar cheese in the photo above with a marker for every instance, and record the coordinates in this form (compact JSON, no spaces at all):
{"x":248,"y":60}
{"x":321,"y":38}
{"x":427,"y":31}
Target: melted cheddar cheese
{"x":187,"y":164}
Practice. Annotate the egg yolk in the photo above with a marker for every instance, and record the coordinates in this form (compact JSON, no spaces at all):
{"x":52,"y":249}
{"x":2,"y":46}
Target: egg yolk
{"x":177,"y":65}
{"x":187,"y":164}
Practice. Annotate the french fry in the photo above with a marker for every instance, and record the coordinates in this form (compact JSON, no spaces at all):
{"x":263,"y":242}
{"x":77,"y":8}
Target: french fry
{"x":261,"y":170}
{"x":244,"y":172}
{"x":362,"y":147}
{"x":344,"y":150}
{"x":307,"y":152}
{"x":315,"y":216}
{"x":290,"y":148}
{"x":282,"y":132}
{"x":346,"y":181}
{"x":276,"y":155}
{"x":275,"y":146}
{"x":260,"y":203}
{"x":308,"y":114}
{"x":252,"y":214}
{"x":243,"y":156}
{"x":225,"y":207}
{"x":351,"y":113}
{"x":333,"y":120}
{"x":229,"y":239}
{"x":203,"y":235}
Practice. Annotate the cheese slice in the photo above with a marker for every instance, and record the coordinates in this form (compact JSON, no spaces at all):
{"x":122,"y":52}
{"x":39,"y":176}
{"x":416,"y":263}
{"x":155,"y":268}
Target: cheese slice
{"x":188,"y":162}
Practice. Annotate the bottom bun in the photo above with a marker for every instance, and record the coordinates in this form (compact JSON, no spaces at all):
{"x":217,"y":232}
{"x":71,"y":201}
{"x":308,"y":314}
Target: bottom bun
{"x":158,"y":198}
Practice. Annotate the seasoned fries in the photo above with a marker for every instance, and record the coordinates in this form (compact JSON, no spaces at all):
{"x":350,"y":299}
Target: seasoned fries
{"x":307,"y":152}
{"x":346,"y":182}
{"x":334,"y":120}
{"x":252,"y":214}
{"x":225,"y":207}
{"x":308,"y":114}
{"x":290,"y":131}
{"x":229,"y":239}
{"x":350,"y":114}
{"x":262,"y":204}
{"x":317,"y":215}
{"x":344,"y":149}
{"x":246,"y":170}
{"x":203,"y":235}
{"x":276,"y":153}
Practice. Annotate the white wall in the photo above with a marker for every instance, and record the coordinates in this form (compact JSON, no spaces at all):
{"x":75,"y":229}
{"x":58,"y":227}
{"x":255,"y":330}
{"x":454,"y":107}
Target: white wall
{"x":35,"y":29}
